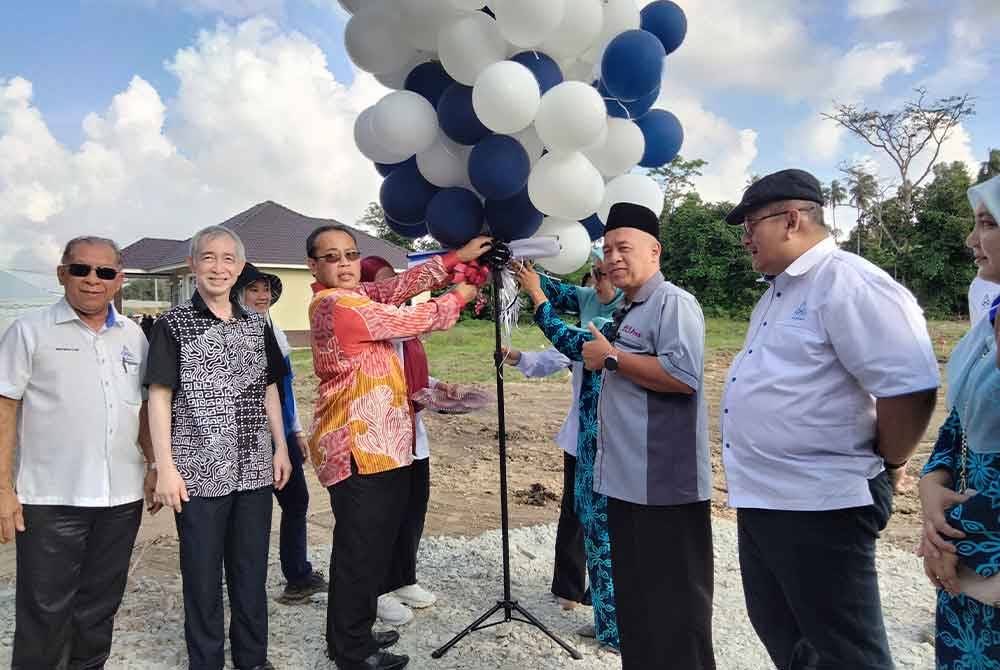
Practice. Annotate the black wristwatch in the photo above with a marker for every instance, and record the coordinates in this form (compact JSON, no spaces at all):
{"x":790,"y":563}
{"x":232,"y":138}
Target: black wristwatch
{"x":611,"y":360}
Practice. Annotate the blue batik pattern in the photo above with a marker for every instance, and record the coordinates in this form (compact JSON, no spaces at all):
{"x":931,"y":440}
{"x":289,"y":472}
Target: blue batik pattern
{"x":591,"y":507}
{"x":968,"y":633}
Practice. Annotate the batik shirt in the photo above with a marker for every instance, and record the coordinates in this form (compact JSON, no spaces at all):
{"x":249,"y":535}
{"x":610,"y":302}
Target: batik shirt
{"x":219,"y":371}
{"x":363,"y":409}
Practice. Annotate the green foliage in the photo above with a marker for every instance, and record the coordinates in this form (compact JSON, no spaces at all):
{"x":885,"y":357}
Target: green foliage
{"x":704,"y":255}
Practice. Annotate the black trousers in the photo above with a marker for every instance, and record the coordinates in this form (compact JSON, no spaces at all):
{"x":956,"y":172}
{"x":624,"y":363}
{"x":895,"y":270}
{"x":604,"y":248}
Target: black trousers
{"x":368,"y":511}
{"x":811,"y":587}
{"x":231,"y":531}
{"x":72,"y":565}
{"x":403,"y":569}
{"x":569,"y":572}
{"x":294,"y":502}
{"x":662,"y":563}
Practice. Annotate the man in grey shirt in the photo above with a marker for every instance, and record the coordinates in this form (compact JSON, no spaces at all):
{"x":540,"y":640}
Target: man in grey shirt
{"x":652,"y":454}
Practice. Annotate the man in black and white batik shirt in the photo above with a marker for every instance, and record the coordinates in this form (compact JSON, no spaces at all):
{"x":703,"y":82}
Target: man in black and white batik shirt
{"x":214,"y":411}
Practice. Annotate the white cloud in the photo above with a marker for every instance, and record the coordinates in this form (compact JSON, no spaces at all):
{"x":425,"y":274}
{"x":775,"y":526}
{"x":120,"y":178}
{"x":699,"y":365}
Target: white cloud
{"x":258,"y":115}
{"x":867,"y":9}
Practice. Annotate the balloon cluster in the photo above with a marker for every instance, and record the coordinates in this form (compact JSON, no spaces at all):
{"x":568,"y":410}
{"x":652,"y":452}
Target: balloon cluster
{"x":525,"y":117}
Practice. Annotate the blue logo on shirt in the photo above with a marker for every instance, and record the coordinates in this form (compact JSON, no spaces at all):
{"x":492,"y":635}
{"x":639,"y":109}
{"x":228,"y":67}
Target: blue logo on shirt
{"x":799,"y":314}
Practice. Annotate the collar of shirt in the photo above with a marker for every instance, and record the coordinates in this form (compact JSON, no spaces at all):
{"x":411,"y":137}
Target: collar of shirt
{"x":646,"y":290}
{"x":808,"y":260}
{"x":199,"y":304}
{"x":64,"y":313}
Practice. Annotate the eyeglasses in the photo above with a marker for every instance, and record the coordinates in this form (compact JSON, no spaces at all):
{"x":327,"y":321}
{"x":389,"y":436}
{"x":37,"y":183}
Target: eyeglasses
{"x":83,"y":270}
{"x":748,"y":224}
{"x":335,"y":256}
{"x":598,"y":275}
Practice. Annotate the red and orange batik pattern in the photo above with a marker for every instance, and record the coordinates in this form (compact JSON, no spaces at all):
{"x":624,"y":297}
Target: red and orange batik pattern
{"x":363,"y":408}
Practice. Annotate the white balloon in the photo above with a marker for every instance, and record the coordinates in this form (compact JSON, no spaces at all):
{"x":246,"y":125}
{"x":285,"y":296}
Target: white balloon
{"x":639,"y":189}
{"x":445,"y":163}
{"x":405,"y":123}
{"x":571,"y":116}
{"x":374,"y":40}
{"x":468,"y":4}
{"x":579,"y":70}
{"x":396,"y":80}
{"x":574,"y":245}
{"x":506,"y":97}
{"x":621,"y":150}
{"x":368,"y":142}
{"x":527,"y":23}
{"x":422,"y":20}
{"x":468,"y":45}
{"x":531,"y":142}
{"x":619,"y":16}
{"x":579,"y":29}
{"x":565,"y":185}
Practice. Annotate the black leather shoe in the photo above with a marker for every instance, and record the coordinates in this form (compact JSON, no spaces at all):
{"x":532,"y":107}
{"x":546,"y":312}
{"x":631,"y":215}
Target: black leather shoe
{"x":381,"y":660}
{"x":385,"y":638}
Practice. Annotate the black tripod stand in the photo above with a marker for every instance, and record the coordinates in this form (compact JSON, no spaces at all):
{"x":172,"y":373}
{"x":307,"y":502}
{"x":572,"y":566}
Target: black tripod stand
{"x":498,"y":259}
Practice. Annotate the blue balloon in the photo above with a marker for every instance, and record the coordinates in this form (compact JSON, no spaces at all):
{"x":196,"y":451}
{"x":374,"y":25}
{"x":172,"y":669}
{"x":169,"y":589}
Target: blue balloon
{"x":409,"y":231}
{"x":429,"y":80}
{"x":546,"y":70}
{"x":664,"y":137}
{"x":405,"y":195}
{"x":626,"y":110}
{"x":514,"y":218}
{"x":386,"y":169}
{"x":667,"y":21}
{"x":499,"y":167}
{"x":594,"y":226}
{"x":632,"y":65}
{"x":458,"y":118}
{"x":455,"y":216}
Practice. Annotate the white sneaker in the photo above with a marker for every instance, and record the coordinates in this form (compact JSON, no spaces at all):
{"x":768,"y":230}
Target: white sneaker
{"x":392,"y":612}
{"x":415,"y":596}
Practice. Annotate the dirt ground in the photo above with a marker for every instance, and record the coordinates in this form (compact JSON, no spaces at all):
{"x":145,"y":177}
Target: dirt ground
{"x":465,"y":479}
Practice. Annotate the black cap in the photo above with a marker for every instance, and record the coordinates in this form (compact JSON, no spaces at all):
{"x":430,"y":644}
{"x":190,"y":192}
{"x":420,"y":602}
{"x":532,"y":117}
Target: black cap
{"x":251,"y":274}
{"x":631,"y":215}
{"x":784,"y":185}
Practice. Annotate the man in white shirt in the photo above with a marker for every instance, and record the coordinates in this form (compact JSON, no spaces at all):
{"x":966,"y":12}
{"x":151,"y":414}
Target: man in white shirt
{"x":70,"y":408}
{"x":834,"y":387}
{"x":982,"y":293}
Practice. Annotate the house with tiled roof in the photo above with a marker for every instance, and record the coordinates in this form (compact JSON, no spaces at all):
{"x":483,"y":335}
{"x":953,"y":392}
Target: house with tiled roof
{"x":275,"y":240}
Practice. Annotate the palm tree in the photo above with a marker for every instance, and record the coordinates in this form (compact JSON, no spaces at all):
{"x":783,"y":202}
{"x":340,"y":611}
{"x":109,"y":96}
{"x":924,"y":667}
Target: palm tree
{"x":835,"y":195}
{"x":862,"y":190}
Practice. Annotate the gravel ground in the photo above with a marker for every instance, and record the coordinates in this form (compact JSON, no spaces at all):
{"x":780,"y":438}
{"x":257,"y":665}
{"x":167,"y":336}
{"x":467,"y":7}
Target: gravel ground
{"x":465,"y":573}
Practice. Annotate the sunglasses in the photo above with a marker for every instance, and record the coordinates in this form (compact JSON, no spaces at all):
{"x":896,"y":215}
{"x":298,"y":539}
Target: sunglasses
{"x":335,"y":256}
{"x":83,"y":270}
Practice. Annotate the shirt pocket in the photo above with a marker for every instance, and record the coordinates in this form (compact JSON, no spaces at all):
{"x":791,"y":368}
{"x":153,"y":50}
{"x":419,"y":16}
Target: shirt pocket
{"x":129,"y":383}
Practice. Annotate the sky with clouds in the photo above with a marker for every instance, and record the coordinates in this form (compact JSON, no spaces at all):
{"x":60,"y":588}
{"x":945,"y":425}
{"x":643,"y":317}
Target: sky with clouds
{"x":132,"y":118}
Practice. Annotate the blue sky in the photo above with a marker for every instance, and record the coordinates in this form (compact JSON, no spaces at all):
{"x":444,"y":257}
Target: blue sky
{"x":749,"y":84}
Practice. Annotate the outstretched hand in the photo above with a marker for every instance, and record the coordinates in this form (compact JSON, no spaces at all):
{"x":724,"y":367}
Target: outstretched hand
{"x":528,"y":279}
{"x":474,"y":248}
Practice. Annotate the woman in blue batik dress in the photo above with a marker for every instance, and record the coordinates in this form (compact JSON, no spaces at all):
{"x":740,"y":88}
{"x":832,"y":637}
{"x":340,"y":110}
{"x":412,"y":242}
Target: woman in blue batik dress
{"x":594,"y":305}
{"x":960,"y":487}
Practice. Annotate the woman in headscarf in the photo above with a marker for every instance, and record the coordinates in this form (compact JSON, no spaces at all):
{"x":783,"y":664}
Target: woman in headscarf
{"x":960,"y":487}
{"x":258,"y":291}
{"x":401,"y":590}
{"x":594,"y":305}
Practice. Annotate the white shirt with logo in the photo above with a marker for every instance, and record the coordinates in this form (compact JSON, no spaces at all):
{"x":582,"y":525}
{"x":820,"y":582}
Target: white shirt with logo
{"x":80,"y":393}
{"x":982,"y":293}
{"x":831,"y":334}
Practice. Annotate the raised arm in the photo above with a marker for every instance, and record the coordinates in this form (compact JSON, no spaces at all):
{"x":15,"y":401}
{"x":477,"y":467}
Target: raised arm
{"x":434,"y":274}
{"x":564,"y":297}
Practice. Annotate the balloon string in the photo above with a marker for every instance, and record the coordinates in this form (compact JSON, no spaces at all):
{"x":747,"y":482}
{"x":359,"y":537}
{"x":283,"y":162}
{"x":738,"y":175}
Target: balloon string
{"x":622,"y":105}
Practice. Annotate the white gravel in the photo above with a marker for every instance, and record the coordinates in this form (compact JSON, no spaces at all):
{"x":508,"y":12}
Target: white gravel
{"x":466,"y":575}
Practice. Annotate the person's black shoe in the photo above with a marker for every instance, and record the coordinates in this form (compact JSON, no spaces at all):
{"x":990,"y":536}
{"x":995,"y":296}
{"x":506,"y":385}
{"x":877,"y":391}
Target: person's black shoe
{"x":300,"y":592}
{"x":385,"y":638}
{"x":381,"y":660}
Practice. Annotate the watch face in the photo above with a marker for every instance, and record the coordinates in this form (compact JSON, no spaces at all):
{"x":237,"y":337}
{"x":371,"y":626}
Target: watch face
{"x":611,"y":363}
